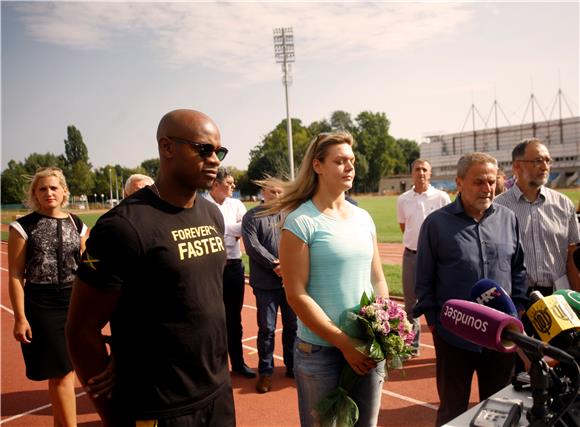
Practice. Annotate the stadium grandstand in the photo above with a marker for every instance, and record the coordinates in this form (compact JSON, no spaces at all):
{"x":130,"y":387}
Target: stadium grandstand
{"x":561,"y":136}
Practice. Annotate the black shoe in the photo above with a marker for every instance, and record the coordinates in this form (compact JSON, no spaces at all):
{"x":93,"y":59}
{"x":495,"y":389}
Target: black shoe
{"x":290,"y":373}
{"x":245,"y":371}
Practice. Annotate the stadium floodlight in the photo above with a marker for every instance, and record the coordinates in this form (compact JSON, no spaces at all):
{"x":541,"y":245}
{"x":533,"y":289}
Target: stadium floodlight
{"x":284,"y":54}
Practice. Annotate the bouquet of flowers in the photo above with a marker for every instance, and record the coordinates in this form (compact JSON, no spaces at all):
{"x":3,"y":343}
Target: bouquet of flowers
{"x":380,"y":329}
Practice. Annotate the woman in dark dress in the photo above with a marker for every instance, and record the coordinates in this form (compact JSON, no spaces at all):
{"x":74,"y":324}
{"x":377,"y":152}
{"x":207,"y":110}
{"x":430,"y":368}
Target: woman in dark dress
{"x":44,"y":249}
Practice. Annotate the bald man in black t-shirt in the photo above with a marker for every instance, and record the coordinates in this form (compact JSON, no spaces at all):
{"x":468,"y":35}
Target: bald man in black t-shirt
{"x":153,"y":268}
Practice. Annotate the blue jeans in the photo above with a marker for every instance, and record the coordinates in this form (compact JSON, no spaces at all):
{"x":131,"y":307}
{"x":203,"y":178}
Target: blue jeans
{"x":317,"y":370}
{"x":267,"y":302}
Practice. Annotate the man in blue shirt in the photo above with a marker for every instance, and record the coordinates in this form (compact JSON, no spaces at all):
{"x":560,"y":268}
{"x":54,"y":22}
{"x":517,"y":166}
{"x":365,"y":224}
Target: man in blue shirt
{"x":460,"y":244}
{"x":261,"y":234}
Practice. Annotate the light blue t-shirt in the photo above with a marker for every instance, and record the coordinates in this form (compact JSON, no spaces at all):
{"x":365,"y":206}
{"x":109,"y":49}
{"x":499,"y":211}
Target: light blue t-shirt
{"x":341,"y":253}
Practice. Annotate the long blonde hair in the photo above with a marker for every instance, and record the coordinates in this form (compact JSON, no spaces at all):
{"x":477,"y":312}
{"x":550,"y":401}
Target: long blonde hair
{"x":304,"y":186}
{"x":31,"y":200}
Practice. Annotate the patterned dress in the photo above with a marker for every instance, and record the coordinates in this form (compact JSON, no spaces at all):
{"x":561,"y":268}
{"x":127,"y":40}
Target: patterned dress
{"x":52,"y":257}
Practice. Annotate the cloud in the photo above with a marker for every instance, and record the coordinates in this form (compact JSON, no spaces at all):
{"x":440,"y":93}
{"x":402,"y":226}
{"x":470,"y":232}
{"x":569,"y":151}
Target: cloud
{"x":237,"y":37}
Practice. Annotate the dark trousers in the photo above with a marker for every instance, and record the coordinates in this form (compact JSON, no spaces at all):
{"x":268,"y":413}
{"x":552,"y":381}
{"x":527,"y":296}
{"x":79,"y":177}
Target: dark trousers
{"x":455,"y":368}
{"x":233,"y":301}
{"x":267,"y":302}
{"x":220,"y":412}
{"x":409,"y":263}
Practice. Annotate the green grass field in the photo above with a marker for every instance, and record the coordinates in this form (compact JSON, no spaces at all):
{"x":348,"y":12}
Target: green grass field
{"x":383,"y":210}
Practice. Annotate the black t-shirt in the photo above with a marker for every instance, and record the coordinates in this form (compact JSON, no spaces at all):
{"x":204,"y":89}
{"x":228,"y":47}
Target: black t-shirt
{"x":169,"y":331}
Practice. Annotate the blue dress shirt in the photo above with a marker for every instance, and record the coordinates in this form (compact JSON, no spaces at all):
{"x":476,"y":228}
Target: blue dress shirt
{"x":455,"y":251}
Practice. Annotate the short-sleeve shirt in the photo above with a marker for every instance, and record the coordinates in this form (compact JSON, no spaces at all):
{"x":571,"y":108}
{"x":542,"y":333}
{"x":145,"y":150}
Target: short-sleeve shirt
{"x":548,"y":226}
{"x":341,"y":253}
{"x":233,"y":211}
{"x":53,"y":247}
{"x":169,"y":331}
{"x":413,"y":208}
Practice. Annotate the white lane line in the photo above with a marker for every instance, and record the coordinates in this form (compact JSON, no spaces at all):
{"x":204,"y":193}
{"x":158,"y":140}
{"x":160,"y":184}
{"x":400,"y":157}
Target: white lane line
{"x":410,"y":400}
{"x":253,"y":349}
{"x":4,"y":269}
{"x":7,"y":309}
{"x":385,"y":392}
{"x":32,"y":411}
{"x":251,"y":307}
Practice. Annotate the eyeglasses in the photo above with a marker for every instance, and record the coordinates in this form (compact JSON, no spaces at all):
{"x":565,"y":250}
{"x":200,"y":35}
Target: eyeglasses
{"x":205,"y":150}
{"x":537,"y":162}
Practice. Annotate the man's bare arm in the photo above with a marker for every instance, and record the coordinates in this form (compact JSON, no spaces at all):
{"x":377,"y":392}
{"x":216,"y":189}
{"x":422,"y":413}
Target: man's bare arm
{"x":90,"y":310}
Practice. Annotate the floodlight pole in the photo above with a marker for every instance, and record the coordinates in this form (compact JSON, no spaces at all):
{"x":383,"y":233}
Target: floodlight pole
{"x":110,"y":187}
{"x":284,"y":54}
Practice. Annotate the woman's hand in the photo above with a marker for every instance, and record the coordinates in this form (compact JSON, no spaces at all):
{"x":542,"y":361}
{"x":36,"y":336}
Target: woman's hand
{"x":22,"y":331}
{"x":102,"y":384}
{"x":359,"y":362}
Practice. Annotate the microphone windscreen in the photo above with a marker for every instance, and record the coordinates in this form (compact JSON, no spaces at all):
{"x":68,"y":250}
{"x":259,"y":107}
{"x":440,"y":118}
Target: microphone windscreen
{"x":479,"y":324}
{"x":551,"y":316}
{"x":489,"y":293}
{"x":572,"y":298}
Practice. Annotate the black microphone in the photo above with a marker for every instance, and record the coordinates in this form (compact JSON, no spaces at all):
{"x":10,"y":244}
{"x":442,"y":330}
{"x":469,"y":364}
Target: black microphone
{"x":490,"y":293}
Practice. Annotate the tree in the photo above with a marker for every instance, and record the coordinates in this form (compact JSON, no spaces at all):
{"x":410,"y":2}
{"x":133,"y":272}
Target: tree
{"x":14,"y":183}
{"x":16,"y":177}
{"x":341,"y":120}
{"x":270,"y":157}
{"x":379,"y":148}
{"x":78,"y":169}
{"x":319,"y":127}
{"x":35,"y":161}
{"x":411,"y":151}
{"x":80,"y":179}
{"x":377,"y":152}
{"x":151,"y":167}
{"x":74,"y":148}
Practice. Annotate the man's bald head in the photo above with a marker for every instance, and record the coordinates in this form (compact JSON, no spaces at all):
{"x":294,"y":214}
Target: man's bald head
{"x":185,"y":124}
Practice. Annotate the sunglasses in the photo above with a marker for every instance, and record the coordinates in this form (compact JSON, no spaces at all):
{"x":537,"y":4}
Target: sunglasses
{"x":204,"y":150}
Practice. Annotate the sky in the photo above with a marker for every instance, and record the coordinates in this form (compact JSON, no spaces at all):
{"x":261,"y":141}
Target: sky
{"x":113,"y":69}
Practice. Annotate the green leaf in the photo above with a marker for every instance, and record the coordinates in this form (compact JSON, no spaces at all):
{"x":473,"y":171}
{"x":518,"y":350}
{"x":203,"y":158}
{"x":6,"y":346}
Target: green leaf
{"x":364,"y":300}
{"x":337,"y":408}
{"x":375,"y":351}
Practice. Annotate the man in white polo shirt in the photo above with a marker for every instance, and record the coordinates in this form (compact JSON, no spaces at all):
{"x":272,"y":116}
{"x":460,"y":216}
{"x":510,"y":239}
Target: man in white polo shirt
{"x":233,"y":210}
{"x":413,"y":206}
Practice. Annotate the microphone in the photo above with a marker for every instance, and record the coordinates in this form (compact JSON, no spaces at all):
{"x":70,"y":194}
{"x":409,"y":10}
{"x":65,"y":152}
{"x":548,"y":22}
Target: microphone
{"x":489,"y":293}
{"x":572,"y":298}
{"x":493,"y":329}
{"x":553,"y":319}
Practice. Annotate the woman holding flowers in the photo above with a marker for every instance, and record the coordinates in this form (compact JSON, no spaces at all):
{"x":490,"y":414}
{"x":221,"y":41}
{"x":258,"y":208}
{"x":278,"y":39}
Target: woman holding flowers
{"x":329,"y":257}
{"x":44,"y":249}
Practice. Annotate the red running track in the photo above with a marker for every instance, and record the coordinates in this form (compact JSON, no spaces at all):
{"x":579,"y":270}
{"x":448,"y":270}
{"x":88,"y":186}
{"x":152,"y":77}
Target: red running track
{"x":409,"y":397}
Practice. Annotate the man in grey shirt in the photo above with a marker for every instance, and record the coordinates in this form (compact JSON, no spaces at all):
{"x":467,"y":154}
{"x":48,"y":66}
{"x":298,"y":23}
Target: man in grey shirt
{"x":261,"y":234}
{"x":547,"y":219}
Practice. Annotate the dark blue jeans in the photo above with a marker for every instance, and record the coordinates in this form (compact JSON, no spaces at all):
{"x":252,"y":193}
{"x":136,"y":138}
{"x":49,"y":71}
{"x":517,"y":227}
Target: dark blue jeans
{"x":267,"y":303}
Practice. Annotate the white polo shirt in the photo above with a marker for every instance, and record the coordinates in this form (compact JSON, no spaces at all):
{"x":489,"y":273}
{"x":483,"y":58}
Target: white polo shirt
{"x":413,"y":208}
{"x":233,"y":211}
